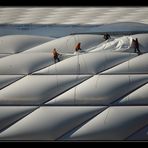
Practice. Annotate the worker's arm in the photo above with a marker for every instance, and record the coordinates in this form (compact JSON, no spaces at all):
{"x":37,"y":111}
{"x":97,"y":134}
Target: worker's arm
{"x":59,"y":54}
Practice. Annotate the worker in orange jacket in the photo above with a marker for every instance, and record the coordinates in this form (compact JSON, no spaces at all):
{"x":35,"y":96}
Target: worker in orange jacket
{"x":55,"y":55}
{"x":78,"y":47}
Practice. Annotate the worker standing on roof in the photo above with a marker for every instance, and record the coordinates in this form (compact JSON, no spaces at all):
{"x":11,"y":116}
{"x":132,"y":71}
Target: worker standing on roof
{"x":135,"y":45}
{"x":55,"y":55}
{"x":107,"y":36}
{"x":78,"y":48}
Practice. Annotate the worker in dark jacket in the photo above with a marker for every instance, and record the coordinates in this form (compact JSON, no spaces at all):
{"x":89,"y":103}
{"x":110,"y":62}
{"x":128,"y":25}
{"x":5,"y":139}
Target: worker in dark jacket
{"x":135,"y":45}
{"x":107,"y":36}
{"x":55,"y":55}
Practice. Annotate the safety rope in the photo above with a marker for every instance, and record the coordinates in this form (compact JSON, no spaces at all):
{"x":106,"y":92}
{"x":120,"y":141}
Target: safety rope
{"x":77,"y":76}
{"x":56,"y":77}
{"x":74,"y":37}
{"x":56,"y":73}
{"x":67,"y":43}
{"x":78,"y":71}
{"x":129,"y":79}
{"x":49,"y":66}
{"x":85,"y":63}
{"x":107,"y":114}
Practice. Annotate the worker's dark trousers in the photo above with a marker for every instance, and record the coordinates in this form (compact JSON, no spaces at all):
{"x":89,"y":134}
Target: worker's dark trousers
{"x":56,"y":59}
{"x":137,"y":49}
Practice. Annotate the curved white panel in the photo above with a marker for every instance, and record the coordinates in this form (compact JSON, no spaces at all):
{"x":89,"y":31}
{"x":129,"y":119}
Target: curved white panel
{"x":19,"y":43}
{"x":138,"y":97}
{"x":115,"y":123}
{"x":11,"y":114}
{"x":88,"y":63}
{"x":34,"y":90}
{"x":8,"y":79}
{"x":67,"y":44}
{"x":136,"y":65}
{"x":141,"y":134}
{"x":24,"y":63}
{"x":49,"y":123}
{"x":4,"y":55}
{"x":101,"y":89}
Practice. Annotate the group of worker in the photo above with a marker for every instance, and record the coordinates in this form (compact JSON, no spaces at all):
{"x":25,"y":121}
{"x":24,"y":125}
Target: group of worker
{"x":56,"y":54}
{"x":135,"y":45}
